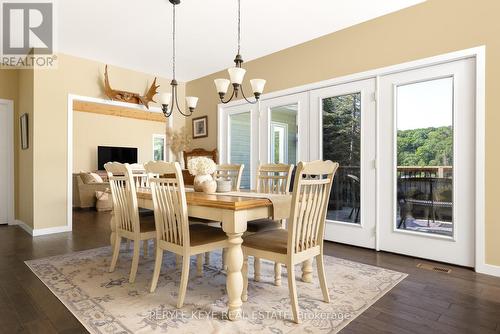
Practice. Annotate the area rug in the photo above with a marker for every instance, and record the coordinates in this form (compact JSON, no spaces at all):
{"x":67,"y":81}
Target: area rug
{"x":106,"y":303}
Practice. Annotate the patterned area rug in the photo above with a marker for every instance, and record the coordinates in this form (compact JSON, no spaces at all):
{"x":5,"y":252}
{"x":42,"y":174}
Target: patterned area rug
{"x":106,"y":303}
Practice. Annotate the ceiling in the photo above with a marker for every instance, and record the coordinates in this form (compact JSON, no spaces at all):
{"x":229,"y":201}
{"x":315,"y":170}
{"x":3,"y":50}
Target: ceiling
{"x":138,"y":34}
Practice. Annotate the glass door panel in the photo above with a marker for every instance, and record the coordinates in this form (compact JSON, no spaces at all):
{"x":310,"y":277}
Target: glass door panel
{"x":424,"y":114}
{"x":341,"y":143}
{"x":284,"y":134}
{"x":284,"y":124}
{"x":240,"y":144}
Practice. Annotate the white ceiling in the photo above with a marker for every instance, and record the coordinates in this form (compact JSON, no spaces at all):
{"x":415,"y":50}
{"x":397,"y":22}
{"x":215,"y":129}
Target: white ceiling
{"x":137,"y":34}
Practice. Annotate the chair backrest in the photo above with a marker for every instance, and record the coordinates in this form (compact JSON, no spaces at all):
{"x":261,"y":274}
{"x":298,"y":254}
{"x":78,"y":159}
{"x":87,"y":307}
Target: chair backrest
{"x":233,"y":172}
{"x":169,"y":201}
{"x":274,"y":178}
{"x":140,"y":176}
{"x":311,"y":193}
{"x":123,"y":191}
{"x":199,"y":152}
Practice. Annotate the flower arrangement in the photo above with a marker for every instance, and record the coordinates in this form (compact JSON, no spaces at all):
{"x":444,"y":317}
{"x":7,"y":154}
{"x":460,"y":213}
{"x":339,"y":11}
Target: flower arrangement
{"x":201,"y":166}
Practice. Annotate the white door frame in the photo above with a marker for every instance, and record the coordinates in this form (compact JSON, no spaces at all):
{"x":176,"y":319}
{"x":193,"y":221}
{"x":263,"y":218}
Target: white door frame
{"x":479,"y":53}
{"x":9,"y":104}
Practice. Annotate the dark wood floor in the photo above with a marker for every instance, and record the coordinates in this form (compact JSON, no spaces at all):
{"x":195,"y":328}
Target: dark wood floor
{"x":425,"y":302}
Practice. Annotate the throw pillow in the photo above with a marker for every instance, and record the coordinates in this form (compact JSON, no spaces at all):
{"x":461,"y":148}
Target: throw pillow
{"x":97,"y":178}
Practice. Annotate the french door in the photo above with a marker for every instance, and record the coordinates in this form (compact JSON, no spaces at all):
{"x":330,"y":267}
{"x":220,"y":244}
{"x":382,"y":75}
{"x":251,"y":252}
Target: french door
{"x":427,"y":159}
{"x":345,"y":116}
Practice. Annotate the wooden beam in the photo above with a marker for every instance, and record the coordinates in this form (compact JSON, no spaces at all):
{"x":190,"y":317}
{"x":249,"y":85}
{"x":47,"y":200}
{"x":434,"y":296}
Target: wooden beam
{"x":119,"y":111}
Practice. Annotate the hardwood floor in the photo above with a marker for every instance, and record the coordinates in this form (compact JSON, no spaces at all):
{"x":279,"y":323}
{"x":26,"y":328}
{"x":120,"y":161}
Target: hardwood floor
{"x":425,"y":302}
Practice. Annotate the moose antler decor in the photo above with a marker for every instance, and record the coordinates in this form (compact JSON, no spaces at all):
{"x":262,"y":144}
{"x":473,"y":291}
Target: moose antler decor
{"x":123,"y":96}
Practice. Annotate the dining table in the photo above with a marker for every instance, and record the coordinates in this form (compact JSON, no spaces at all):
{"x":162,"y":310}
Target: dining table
{"x":233,"y":211}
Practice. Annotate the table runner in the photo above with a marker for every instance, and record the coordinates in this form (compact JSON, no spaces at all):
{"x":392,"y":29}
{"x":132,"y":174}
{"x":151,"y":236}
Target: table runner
{"x":281,"y":203}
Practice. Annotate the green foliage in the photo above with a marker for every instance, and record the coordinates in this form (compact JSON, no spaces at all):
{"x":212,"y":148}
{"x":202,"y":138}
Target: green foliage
{"x":425,"y":147}
{"x":342,"y":129}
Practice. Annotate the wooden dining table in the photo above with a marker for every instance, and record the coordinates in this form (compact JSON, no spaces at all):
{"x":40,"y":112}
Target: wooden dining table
{"x":234,"y":212}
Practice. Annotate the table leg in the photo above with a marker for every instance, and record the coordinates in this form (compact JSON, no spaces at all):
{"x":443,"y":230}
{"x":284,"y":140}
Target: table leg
{"x":234,"y":280}
{"x":307,"y":270}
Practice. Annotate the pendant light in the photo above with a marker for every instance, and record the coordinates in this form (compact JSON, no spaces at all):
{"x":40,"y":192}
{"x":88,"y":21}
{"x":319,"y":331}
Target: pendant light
{"x":169,"y":100}
{"x":236,"y":75}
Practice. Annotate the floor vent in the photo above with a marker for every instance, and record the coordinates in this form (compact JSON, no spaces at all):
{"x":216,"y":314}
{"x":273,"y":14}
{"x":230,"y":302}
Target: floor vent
{"x":434,"y":268}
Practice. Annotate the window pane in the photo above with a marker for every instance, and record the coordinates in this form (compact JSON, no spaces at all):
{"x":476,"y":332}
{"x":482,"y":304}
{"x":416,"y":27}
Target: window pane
{"x":284,"y":134}
{"x":341,"y":143}
{"x":425,"y":157}
{"x":240,"y":144}
{"x":159,"y":149}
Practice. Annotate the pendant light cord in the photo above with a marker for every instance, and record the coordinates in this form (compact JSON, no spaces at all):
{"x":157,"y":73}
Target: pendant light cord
{"x":173,"y":44}
{"x":239,"y":26}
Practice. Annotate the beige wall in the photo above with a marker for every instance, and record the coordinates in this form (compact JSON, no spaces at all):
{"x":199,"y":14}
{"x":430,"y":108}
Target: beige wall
{"x":110,"y":131}
{"x":432,"y":28}
{"x":73,"y":76}
{"x":17,"y":85}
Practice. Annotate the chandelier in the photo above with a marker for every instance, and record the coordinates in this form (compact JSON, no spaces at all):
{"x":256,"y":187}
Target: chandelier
{"x":236,"y":75}
{"x":169,"y":101}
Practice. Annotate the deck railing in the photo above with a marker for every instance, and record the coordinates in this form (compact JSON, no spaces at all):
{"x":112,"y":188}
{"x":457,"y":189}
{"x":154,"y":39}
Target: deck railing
{"x":345,"y":192}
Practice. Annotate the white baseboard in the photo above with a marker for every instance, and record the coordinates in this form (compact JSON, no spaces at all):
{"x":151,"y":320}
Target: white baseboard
{"x":23,"y":225}
{"x":41,"y":231}
{"x":488,"y":269}
{"x":51,"y":230}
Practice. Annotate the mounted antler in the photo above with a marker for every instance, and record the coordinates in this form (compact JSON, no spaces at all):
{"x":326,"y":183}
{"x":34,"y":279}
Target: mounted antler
{"x":124,"y":96}
{"x":153,"y":90}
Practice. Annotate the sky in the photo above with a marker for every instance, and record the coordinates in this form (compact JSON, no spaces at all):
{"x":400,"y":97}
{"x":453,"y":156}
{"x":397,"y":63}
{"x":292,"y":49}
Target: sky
{"x":425,"y":104}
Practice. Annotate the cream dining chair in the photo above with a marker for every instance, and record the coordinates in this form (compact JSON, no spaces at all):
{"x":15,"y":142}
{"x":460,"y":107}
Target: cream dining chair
{"x":303,"y":239}
{"x":127,"y":223}
{"x":233,"y":172}
{"x":173,"y":231}
{"x":270,"y":179}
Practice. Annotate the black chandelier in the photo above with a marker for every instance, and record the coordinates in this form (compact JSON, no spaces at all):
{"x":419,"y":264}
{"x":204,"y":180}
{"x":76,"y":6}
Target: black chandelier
{"x":168,"y":100}
{"x":236,"y":75}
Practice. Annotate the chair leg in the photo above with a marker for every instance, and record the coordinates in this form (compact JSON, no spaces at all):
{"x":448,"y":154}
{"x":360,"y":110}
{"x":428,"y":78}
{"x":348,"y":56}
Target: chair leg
{"x":322,"y":278}
{"x":184,"y":281}
{"x":207,"y":258}
{"x":156,"y":272}
{"x":145,"y":245}
{"x":199,"y":265}
{"x":256,"y":269}
{"x":116,"y":251}
{"x":244,"y":273}
{"x":277,"y":274}
{"x":135,"y":261}
{"x":292,"y":289}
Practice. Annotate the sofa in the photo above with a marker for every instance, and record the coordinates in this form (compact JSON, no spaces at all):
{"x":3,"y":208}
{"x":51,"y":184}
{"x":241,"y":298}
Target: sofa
{"x":85,"y":186}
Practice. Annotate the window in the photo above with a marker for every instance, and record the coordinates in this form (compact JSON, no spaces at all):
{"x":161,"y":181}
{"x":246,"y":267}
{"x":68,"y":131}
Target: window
{"x":159,"y":147}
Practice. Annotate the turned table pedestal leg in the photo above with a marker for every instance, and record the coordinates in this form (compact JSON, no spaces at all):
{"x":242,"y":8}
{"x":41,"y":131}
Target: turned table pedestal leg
{"x":307,"y":270}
